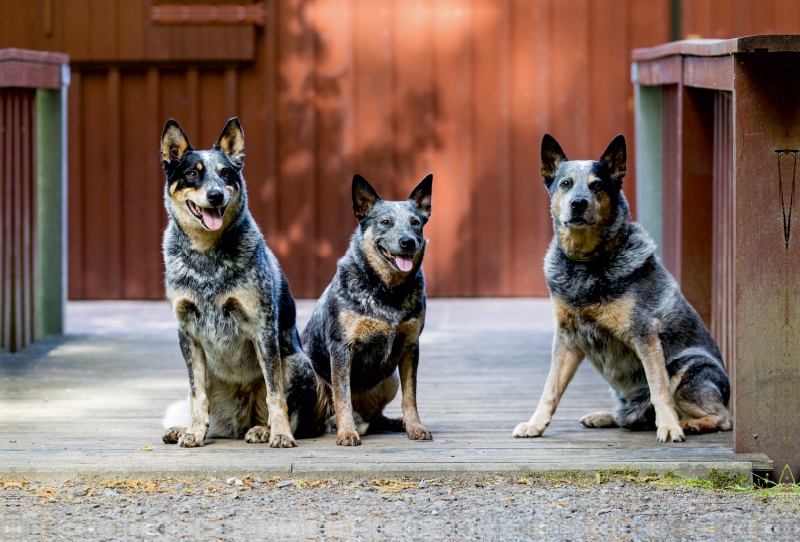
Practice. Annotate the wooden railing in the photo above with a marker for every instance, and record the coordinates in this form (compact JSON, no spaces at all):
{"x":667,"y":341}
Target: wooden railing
{"x":32,"y":195}
{"x":719,"y":188}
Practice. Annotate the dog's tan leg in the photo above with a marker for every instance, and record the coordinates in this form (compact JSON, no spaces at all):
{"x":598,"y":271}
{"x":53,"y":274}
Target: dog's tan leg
{"x":195,"y":434}
{"x":270,"y":361}
{"x":599,"y":419}
{"x":408,"y":380}
{"x":346,"y":433}
{"x":562,"y":368}
{"x":655,"y":369}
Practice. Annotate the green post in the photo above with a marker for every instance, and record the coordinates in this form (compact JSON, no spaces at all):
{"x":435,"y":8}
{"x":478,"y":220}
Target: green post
{"x":51,"y":210}
{"x":648,"y":160}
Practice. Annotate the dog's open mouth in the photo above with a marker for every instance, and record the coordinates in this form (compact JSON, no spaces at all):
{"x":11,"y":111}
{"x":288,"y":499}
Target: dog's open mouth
{"x":400,"y":261}
{"x":211,"y":217}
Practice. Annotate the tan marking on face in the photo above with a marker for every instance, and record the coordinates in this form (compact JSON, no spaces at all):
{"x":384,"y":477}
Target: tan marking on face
{"x":202,"y":239}
{"x":198,"y":166}
{"x":384,"y":269}
{"x":357,"y":327}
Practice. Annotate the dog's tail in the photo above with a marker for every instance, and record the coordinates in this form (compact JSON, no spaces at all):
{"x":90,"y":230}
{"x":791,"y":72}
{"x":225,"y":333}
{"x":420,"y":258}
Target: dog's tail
{"x":178,"y":414}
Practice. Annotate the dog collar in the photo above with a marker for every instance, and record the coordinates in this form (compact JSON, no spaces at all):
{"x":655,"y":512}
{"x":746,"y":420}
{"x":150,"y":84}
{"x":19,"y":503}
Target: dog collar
{"x":622,"y":241}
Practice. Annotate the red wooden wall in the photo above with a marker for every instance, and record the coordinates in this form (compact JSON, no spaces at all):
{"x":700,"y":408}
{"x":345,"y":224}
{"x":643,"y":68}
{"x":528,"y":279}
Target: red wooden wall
{"x":392,"y":89}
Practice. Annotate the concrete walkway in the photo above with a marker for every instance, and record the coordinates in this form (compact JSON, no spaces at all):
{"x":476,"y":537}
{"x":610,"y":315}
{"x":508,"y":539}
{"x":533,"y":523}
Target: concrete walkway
{"x":90,"y":404}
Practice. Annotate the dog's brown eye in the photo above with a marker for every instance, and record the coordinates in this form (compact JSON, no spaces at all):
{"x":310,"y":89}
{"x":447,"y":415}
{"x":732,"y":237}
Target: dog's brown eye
{"x":225,"y":173}
{"x":596,"y":187}
{"x":415,"y":222}
{"x":566,"y":184}
{"x":386,"y":223}
{"x":192,"y":174}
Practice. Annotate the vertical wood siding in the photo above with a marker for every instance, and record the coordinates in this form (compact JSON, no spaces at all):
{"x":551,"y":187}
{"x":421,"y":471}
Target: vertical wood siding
{"x":392,"y":89}
{"x":18,"y":194}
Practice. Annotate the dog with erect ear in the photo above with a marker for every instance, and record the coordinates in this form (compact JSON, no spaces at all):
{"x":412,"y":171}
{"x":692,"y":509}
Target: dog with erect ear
{"x":365,"y":328}
{"x":618,"y":307}
{"x":248,"y":376}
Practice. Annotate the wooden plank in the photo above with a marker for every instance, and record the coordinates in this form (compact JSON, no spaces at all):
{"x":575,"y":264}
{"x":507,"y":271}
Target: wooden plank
{"x":492,"y":22}
{"x":132,"y":346}
{"x":531,"y":112}
{"x":132,"y":30}
{"x":76,"y":181}
{"x":766,"y":251}
{"x":374,"y":107}
{"x":708,"y":72}
{"x":26,"y":217}
{"x":335,"y":137}
{"x":570,"y":77}
{"x":609,"y":101}
{"x":212,"y":107}
{"x":104,"y":30}
{"x":16,"y":339}
{"x":258,"y":101}
{"x":102,"y":188}
{"x":5,"y":333}
{"x":296,"y":151}
{"x":452,"y":233}
{"x":140,"y":187}
{"x":657,"y":72}
{"x":786,"y":16}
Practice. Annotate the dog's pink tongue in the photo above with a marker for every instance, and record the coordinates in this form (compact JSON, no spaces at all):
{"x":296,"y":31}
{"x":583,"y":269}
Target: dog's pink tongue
{"x":404,"y":264}
{"x":212,"y":218}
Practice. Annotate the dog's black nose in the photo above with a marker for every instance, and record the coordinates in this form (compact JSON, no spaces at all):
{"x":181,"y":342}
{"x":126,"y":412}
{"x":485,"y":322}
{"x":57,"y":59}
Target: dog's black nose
{"x":408,"y":243}
{"x":579,"y":204}
{"x":215,"y":196}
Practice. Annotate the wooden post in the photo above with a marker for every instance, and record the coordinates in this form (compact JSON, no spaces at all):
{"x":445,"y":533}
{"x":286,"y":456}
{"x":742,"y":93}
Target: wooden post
{"x":34,"y":183}
{"x":729,"y":148}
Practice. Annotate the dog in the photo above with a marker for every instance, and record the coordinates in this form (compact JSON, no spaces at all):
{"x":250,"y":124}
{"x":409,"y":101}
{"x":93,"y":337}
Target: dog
{"x":368,"y":321}
{"x":616,"y":305}
{"x":248,"y":375}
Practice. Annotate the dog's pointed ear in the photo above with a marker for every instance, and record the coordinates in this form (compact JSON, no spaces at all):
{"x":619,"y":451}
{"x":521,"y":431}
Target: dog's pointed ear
{"x":231,"y":141}
{"x":174,"y":145}
{"x":421,"y":196}
{"x":615,"y":158}
{"x":364,"y":197}
{"x":552,"y":155}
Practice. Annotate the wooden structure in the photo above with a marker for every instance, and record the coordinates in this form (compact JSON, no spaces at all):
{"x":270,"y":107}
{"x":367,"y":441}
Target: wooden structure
{"x":32,"y":195}
{"x":123,"y":367}
{"x":722,"y":118}
{"x":392,"y":89}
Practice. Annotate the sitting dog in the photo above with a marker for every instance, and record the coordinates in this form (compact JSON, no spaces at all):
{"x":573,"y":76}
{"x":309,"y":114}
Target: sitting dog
{"x":367,"y":323}
{"x":248,"y":375}
{"x":616,"y":305}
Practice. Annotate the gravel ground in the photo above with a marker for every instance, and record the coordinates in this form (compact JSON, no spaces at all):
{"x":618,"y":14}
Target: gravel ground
{"x":621,"y":507}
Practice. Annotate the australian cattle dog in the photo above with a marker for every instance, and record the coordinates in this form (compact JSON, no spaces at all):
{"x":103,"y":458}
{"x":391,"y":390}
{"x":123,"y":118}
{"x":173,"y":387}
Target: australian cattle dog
{"x":248,"y":376}
{"x":616,"y":305}
{"x":367,"y":323}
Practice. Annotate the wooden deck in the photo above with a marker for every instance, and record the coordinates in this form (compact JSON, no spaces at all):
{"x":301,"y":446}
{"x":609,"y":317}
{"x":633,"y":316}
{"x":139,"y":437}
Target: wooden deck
{"x":85,"y":405}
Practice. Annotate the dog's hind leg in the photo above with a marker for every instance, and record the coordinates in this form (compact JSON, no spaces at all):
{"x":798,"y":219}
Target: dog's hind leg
{"x":599,"y":419}
{"x":176,"y":418}
{"x":699,"y":400}
{"x":370,"y":405}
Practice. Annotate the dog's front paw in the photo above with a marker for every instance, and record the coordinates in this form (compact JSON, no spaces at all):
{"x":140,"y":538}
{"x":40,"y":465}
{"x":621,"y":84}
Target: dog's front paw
{"x":670,"y":433}
{"x":191,"y":440}
{"x":282,"y":440}
{"x":257,"y":434}
{"x":173,"y":434}
{"x":418,"y":432}
{"x":527,"y":430}
{"x":348,"y":437}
